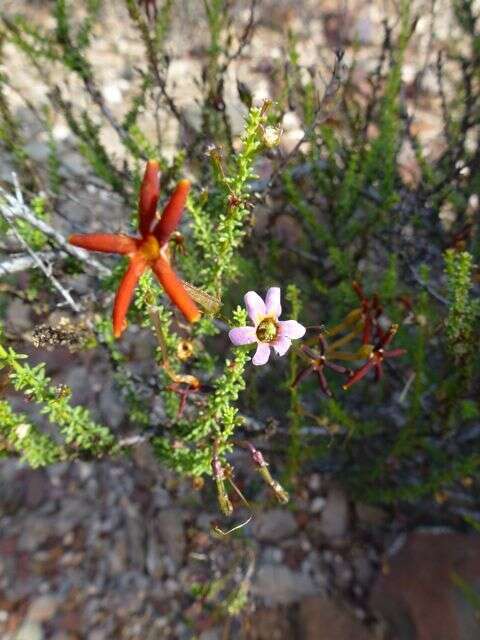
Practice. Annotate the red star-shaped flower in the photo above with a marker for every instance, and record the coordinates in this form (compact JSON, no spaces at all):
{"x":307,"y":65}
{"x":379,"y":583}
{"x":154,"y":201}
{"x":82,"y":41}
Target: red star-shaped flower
{"x":377,"y":356}
{"x":148,"y":251}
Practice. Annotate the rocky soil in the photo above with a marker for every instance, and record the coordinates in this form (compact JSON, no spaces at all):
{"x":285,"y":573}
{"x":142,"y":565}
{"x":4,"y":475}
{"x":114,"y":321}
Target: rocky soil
{"x":105,"y":550}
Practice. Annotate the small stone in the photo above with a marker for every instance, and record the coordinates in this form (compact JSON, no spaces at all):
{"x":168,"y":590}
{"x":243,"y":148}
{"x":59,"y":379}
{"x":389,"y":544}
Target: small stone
{"x":29,"y":631}
{"x":287,"y":230}
{"x":418,"y":597}
{"x":343,"y":575}
{"x":278,"y":584}
{"x":274,"y":525}
{"x":363,"y":569}
{"x":68,"y":538}
{"x":271,"y":623}
{"x":370,"y":515}
{"x":171,"y":530}
{"x":111,"y":406}
{"x":42,"y":609}
{"x":119,"y":554}
{"x":112,"y":93}
{"x":37,"y":486}
{"x":37,"y":150}
{"x":334,"y":517}
{"x":305,"y":544}
{"x":34,"y":534}
{"x":272,"y":555}
{"x":321,"y":618}
{"x":318,"y":504}
{"x":153,"y":558}
{"x":315,"y":482}
{"x":210,"y":634}
{"x":18,"y":315}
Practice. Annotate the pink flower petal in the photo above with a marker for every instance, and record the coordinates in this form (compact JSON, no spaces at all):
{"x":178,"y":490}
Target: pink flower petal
{"x":272,"y":302}
{"x":242,"y":335}
{"x":262,"y":354}
{"x":282,"y":345}
{"x":291,"y":329}
{"x":255,"y":306}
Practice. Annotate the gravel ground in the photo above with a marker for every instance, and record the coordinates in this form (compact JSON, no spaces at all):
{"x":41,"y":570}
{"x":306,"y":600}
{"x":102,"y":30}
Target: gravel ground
{"x":126,"y":551}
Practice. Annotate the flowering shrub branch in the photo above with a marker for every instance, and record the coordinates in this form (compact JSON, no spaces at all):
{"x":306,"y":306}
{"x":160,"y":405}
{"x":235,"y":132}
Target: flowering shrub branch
{"x":332,"y":208}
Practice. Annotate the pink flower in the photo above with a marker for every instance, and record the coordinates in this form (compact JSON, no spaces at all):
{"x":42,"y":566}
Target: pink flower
{"x":268,"y":331}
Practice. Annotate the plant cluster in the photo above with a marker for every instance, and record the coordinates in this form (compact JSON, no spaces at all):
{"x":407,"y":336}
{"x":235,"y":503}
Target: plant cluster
{"x":353,"y":217}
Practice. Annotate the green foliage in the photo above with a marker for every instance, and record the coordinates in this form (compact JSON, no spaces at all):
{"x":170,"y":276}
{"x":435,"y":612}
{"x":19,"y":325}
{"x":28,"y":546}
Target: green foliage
{"x":190,"y":449}
{"x":75,"y":423}
{"x":91,"y":147}
{"x":294,"y":452}
{"x":138,"y":412}
{"x":351,"y":216}
{"x":472,"y":522}
{"x":464,"y":311}
{"x":12,"y":139}
{"x":10,"y":133}
{"x":18,"y":435}
{"x":34,"y":237}
{"x":220,"y":216}
{"x":380,"y":159}
{"x":71,"y":52}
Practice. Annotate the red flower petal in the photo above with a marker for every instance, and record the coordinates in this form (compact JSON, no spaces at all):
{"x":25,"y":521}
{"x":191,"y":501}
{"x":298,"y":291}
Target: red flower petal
{"x":149,"y":191}
{"x":175,"y":290}
{"x":172,"y":213}
{"x":125,"y":293}
{"x":367,"y":331}
{"x":105,"y":242}
{"x":378,"y":371}
{"x":360,"y":373}
{"x":388,"y":336}
{"x":323,"y":383}
{"x":394,"y":353}
{"x":301,"y":375}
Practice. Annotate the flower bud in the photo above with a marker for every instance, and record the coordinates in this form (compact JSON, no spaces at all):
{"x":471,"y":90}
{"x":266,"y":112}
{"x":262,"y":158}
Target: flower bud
{"x":271,"y":136}
{"x":224,"y":502}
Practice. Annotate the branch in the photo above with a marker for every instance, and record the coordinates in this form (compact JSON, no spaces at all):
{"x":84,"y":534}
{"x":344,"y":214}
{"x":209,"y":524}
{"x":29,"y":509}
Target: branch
{"x":22,"y":262}
{"x":426,"y":286}
{"x":13,"y":207}
{"x":244,"y":38}
{"x":153,"y":62}
{"x":47,"y":270}
{"x":326,"y":107}
{"x":134,"y":440}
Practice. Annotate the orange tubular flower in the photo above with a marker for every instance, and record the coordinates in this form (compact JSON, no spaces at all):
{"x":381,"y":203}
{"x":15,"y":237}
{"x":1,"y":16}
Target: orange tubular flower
{"x":148,"y":251}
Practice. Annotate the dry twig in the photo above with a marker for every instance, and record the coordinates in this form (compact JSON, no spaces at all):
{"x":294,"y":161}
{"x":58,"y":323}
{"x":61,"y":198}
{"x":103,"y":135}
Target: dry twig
{"x":13,"y":207}
{"x":23,"y":261}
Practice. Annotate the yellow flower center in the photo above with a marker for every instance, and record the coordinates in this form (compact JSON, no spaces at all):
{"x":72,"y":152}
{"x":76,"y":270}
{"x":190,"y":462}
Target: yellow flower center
{"x":150,"y":248}
{"x":267,"y":330}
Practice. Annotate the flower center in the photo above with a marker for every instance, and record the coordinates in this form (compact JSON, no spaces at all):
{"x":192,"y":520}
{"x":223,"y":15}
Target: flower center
{"x":267,"y":330}
{"x":150,"y":248}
